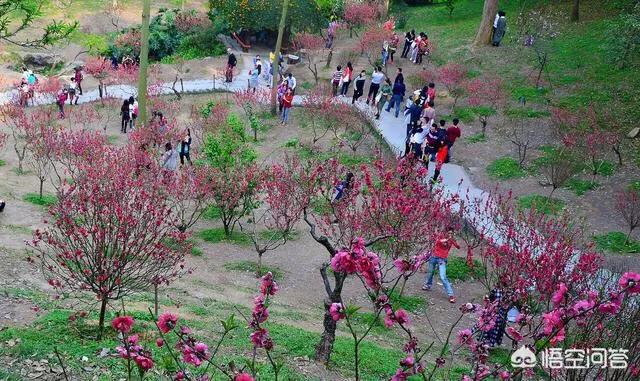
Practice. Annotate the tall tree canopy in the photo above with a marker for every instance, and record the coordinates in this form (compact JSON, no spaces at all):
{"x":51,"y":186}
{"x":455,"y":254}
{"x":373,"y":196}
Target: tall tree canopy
{"x":302,"y":15}
{"x":17,"y":15}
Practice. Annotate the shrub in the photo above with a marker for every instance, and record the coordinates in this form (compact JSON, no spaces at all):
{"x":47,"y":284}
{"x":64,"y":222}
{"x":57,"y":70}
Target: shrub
{"x":616,"y":242}
{"x":476,"y":138}
{"x":46,"y":200}
{"x":458,"y":269}
{"x":543,"y":204}
{"x":505,"y":168}
{"x":580,"y":187}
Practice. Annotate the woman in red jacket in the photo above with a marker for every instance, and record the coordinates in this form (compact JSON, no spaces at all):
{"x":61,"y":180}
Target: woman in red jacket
{"x":439,"y":259}
{"x":287,"y":103}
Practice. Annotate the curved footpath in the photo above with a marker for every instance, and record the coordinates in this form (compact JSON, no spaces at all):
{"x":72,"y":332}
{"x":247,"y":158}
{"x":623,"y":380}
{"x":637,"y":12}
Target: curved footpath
{"x":454,"y":179}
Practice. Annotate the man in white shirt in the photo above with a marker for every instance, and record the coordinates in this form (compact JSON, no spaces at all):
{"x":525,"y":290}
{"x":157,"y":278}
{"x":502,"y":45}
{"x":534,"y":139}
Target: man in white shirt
{"x":292,"y":82}
{"x":376,"y":79}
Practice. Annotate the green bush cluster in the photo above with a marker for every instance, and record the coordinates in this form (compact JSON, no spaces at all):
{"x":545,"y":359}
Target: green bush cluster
{"x":166,"y":41}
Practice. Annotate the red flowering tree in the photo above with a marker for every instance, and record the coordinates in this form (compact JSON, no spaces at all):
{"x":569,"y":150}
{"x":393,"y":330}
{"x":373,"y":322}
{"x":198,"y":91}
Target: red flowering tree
{"x":14,"y":116}
{"x":358,"y":14}
{"x":312,"y":46}
{"x":189,"y":193}
{"x":278,"y":207}
{"x":191,"y":359}
{"x":371,"y":42}
{"x":112,"y":233}
{"x":234,"y":175}
{"x":318,"y":107}
{"x":41,"y":137}
{"x":348,"y":126}
{"x":452,"y":76}
{"x":252,"y":102}
{"x":628,"y":206}
{"x":100,"y":69}
{"x":205,"y":120}
{"x":396,"y":210}
{"x":486,"y":95}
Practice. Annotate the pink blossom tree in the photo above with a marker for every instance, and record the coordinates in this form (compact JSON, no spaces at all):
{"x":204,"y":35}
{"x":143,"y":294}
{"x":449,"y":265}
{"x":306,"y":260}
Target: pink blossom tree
{"x":14,"y":116}
{"x":252,"y":102}
{"x":112,"y":233}
{"x":318,"y":107}
{"x":357,"y":14}
{"x":278,"y":207}
{"x":312,"y":46}
{"x":192,"y":359}
{"x":627,"y":204}
{"x":486,"y":95}
{"x":452,"y":76}
{"x":396,"y":208}
{"x":371,"y":42}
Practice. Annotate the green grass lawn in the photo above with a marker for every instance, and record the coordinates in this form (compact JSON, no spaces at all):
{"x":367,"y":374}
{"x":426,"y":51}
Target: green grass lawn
{"x":580,"y":187}
{"x":46,"y":200}
{"x":542,"y":203}
{"x":217,"y":235}
{"x":616,"y":242}
{"x":252,"y":267}
{"x":505,"y":168}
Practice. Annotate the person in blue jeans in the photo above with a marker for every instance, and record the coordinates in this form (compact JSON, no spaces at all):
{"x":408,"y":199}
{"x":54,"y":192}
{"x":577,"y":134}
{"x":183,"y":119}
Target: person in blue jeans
{"x":397,"y":95}
{"x":439,"y":259}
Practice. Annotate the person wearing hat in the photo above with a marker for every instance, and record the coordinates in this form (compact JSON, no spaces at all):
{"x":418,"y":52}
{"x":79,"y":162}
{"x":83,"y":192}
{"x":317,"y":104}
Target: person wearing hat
{"x":232,"y":61}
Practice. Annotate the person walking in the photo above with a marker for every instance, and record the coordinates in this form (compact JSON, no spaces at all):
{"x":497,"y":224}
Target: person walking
{"x":441,"y":157}
{"x":408,"y":39}
{"x":124,"y":112}
{"x":72,"y":86}
{"x":501,"y":29}
{"x":399,"y":76}
{"x":61,"y":99}
{"x":385,"y":52}
{"x":232,"y":61}
{"x":77,"y":75}
{"x":431,"y":93}
{"x":336,"y":78}
{"x":376,"y":79}
{"x":169,"y":158}
{"x":282,"y":90}
{"x":439,"y":259}
{"x":358,"y":89}
{"x":383,"y":96}
{"x":185,"y":148}
{"x":343,"y":187}
{"x":293,"y":83}
{"x":453,"y":133}
{"x":133,"y":112}
{"x":397,"y":96}
{"x":429,"y":113}
{"x":346,"y":79}
{"x":287,"y":103}
{"x":393,"y":46}
{"x":493,"y":337}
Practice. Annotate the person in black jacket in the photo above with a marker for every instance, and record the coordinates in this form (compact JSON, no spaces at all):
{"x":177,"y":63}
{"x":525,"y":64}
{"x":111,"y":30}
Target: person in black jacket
{"x":126,"y":116}
{"x":359,"y":86}
{"x":2,"y":205}
{"x":408,"y":39}
{"x":397,"y":95}
{"x":232,"y":61}
{"x":185,"y":148}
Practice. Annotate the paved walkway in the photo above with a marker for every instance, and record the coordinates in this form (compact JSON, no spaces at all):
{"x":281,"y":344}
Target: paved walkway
{"x":454,"y":179}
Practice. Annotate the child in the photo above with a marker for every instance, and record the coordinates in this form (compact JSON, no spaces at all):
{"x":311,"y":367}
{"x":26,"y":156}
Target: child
{"x":336,"y":78}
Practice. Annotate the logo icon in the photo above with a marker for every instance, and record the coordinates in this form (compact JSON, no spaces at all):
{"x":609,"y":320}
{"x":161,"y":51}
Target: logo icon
{"x":523,"y":358}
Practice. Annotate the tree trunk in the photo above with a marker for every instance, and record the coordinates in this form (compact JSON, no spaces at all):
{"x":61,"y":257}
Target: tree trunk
{"x":41,"y":185}
{"x":155,"y":299}
{"x":259,"y":267}
{"x":575,"y":11}
{"x":329,"y":57}
{"x":276,"y":57}
{"x":103,"y":310}
{"x":144,"y":63}
{"x":325,"y":346}
{"x":618,"y":152}
{"x":483,"y":36}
